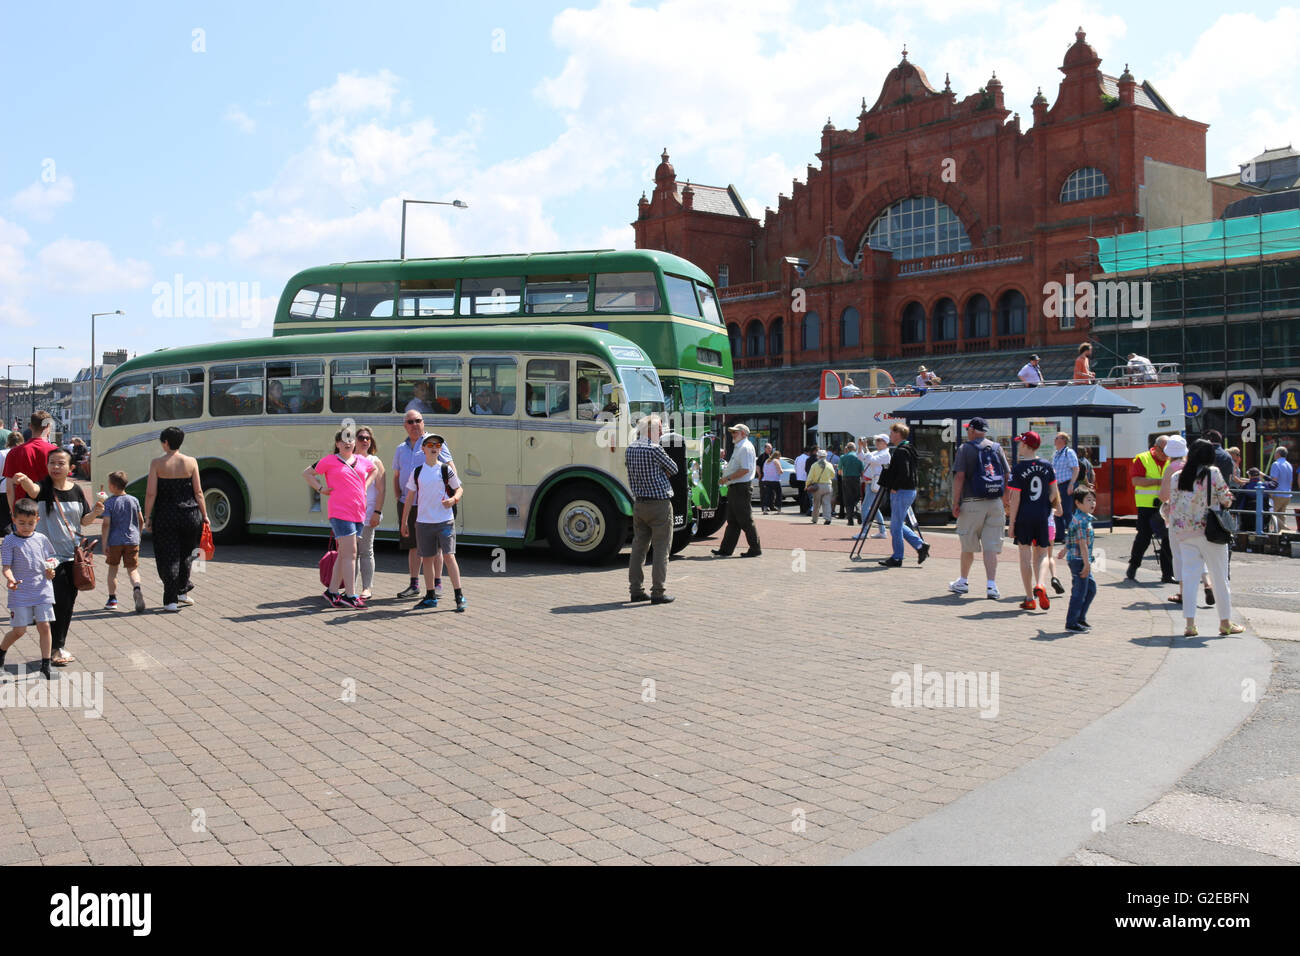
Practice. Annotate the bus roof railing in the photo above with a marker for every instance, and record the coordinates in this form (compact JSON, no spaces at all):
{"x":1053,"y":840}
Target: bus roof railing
{"x":1165,"y":373}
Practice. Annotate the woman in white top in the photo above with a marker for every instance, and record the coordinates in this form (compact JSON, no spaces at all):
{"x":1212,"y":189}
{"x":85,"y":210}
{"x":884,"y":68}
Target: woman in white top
{"x":875,"y":462}
{"x":375,"y":494}
{"x":771,"y":483}
{"x":1199,"y":486}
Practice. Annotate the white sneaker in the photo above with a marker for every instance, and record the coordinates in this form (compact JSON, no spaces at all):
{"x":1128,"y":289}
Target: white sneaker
{"x":993,"y":594}
{"x":880,"y":534}
{"x":171,"y":607}
{"x":185,"y":599}
{"x":958,"y":587}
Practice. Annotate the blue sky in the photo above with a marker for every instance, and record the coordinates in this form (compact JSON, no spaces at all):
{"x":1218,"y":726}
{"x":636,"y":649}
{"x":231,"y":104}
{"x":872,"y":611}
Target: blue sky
{"x":286,"y":141}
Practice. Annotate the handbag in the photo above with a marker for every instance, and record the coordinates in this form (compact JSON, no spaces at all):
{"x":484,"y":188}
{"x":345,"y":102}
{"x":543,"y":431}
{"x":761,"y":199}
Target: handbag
{"x":205,"y":542}
{"x":83,"y":558}
{"x":327,"y":562}
{"x":1220,"y":525}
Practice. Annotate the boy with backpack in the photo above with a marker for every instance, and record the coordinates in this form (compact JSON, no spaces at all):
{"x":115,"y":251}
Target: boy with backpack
{"x":437,"y":492}
{"x":979,"y":481}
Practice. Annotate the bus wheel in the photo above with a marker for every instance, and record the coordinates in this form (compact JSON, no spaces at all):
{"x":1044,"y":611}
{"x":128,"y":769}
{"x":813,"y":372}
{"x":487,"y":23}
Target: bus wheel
{"x":225,"y":507}
{"x":582,"y":524}
{"x":680,"y":540}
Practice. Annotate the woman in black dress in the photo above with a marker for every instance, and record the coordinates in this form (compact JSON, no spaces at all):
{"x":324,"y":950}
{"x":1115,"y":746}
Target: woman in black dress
{"x":174,"y":510}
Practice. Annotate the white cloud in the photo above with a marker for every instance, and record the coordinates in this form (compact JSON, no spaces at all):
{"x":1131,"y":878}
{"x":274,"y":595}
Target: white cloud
{"x":353,"y":93}
{"x":14,"y":277}
{"x":82,"y":265}
{"x":241,"y":120}
{"x":39,"y":200}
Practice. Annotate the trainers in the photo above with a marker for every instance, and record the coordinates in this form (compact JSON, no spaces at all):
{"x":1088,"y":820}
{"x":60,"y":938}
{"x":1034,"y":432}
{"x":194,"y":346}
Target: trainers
{"x":171,"y":607}
{"x":411,"y":591}
{"x":1075,"y":627}
{"x":184,"y":599}
{"x":1043,"y":601}
{"x":426,"y":603}
{"x":460,"y":604}
{"x":112,"y":604}
{"x":880,"y":534}
{"x":139,"y":601}
{"x":354,"y":602}
{"x":922,"y":553}
{"x":1082,"y":623}
{"x":1057,"y":586}
{"x":993,"y":594}
{"x":958,"y":587}
{"x":331,"y":598}
{"x":1028,"y":604}
{"x":890,"y":562}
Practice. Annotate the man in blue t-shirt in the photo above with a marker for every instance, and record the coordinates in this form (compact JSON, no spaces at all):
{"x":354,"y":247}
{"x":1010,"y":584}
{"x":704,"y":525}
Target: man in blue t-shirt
{"x":1284,"y":475}
{"x":1033,"y":498}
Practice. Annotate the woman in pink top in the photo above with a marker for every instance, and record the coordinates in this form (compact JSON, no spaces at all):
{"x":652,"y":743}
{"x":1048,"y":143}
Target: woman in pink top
{"x":345,"y":479}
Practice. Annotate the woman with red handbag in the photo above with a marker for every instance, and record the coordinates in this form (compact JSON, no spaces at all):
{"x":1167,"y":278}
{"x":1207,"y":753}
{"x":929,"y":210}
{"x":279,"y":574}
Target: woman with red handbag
{"x":64,"y":511}
{"x":174,"y":510}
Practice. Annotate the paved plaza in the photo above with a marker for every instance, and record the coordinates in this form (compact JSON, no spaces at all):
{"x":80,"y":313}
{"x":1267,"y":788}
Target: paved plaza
{"x":764,"y":717}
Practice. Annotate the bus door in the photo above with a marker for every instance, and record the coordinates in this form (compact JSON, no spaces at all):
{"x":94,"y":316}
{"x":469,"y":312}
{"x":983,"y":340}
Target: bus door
{"x":488,"y":454}
{"x":546,"y":429}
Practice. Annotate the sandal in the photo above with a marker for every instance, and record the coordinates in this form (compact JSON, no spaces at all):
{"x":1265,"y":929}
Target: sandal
{"x":1190,"y":631}
{"x":63,"y":660}
{"x":1176,"y":599}
{"x":1231,"y":629}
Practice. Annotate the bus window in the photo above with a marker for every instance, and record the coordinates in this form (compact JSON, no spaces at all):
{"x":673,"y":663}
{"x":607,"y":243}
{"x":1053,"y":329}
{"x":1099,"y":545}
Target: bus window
{"x":315,"y":302}
{"x":429,"y":386}
{"x":709,"y":301}
{"x":177,"y":394}
{"x":644,"y":393}
{"x":362,"y":386}
{"x":490,"y":296}
{"x":593,"y":391}
{"x":236,"y":389}
{"x":426,"y":297}
{"x":548,"y":388}
{"x":681,"y":297}
{"x":366,"y":300}
{"x":548,"y":295}
{"x":127,"y":402}
{"x":492,"y":386}
{"x":627,"y":292}
{"x":294,"y":387}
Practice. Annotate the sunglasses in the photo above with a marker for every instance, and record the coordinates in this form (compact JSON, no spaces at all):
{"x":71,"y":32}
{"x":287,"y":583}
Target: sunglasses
{"x":364,"y":438}
{"x":414,"y":421}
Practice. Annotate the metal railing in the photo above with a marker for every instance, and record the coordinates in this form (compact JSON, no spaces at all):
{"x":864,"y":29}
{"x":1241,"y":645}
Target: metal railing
{"x":1166,"y":373}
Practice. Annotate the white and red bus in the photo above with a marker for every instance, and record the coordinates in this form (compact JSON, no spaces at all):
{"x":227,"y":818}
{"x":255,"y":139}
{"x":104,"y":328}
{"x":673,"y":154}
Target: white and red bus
{"x":1157,"y":391}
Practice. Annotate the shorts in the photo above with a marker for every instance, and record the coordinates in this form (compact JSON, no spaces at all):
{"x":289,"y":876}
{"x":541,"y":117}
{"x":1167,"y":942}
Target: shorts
{"x":406,"y":534}
{"x":345,"y":529}
{"x":1036,"y":533}
{"x":27,"y":616}
{"x":434,"y":538}
{"x":981,"y":524}
{"x":125,"y":554}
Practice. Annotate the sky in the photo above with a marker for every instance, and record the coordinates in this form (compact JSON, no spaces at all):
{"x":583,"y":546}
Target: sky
{"x":155,"y":149}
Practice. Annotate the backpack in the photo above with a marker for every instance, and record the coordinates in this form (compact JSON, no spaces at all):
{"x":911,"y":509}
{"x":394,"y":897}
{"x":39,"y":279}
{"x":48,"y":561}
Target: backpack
{"x":990,"y":477}
{"x":1087,"y":473}
{"x":446,"y":484}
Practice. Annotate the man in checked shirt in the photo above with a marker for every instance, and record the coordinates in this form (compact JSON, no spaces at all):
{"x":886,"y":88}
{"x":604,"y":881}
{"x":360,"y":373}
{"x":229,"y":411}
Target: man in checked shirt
{"x":648,"y":470}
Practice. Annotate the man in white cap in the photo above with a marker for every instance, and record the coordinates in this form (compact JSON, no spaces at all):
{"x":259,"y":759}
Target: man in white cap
{"x":740,"y":511}
{"x":821,"y":481}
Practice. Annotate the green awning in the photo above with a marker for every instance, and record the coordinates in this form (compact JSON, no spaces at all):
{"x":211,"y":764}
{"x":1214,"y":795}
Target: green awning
{"x":774,"y":408}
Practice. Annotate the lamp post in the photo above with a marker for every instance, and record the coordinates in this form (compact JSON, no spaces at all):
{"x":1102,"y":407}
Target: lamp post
{"x":35,"y":349}
{"x":94,"y":380}
{"x":425,"y":202}
{"x":9,"y":391}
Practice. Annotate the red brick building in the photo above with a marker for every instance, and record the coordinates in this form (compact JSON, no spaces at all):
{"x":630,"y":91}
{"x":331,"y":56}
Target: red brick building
{"x":926,"y":233}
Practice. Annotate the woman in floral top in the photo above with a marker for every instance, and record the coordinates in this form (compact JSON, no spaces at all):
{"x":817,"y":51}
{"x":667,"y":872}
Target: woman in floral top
{"x":1199,"y":485}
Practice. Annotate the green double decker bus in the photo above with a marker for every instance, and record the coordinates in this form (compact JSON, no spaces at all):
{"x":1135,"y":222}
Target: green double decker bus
{"x":662,"y":303}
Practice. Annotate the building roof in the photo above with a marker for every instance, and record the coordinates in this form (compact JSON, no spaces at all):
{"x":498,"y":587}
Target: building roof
{"x":1144,"y":94}
{"x":719,"y":200}
{"x":1091,"y":400}
{"x":1269,"y":202}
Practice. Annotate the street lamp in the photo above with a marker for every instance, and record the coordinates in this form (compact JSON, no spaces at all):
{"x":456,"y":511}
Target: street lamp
{"x":425,"y":202}
{"x":35,"y":349}
{"x":94,"y":381}
{"x":9,"y":391}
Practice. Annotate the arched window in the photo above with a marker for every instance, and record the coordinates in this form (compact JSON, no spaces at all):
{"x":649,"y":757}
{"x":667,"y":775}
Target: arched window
{"x":944,"y":320}
{"x":913,"y":323}
{"x":776,"y":337}
{"x":754,"y":338}
{"x":810,"y":332}
{"x":916,"y":227}
{"x":1086,"y":183}
{"x":978,"y":317}
{"x":850,"y":326}
{"x":1011,"y":313}
{"x":733,"y":334}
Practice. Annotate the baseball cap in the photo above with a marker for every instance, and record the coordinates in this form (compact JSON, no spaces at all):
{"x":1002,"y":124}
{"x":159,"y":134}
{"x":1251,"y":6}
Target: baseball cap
{"x":979,"y":424}
{"x":1031,"y":439}
{"x":744,"y":429}
{"x":429,"y":439}
{"x":821,"y":452}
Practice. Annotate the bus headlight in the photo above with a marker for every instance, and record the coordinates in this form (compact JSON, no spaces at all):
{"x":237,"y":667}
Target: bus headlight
{"x":693,"y":474}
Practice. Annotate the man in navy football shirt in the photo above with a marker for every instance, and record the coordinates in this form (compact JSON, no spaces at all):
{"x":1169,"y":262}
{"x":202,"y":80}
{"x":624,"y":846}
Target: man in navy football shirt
{"x":1033,"y":498}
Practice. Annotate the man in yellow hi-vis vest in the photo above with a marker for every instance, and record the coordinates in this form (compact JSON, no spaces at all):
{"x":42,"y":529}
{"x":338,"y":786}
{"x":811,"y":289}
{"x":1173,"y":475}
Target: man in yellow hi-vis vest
{"x":1145,"y":475}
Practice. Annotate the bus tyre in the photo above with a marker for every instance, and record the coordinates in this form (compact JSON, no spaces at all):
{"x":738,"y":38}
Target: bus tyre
{"x":582,"y":524}
{"x":225,"y":504}
{"x":680,"y":539}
